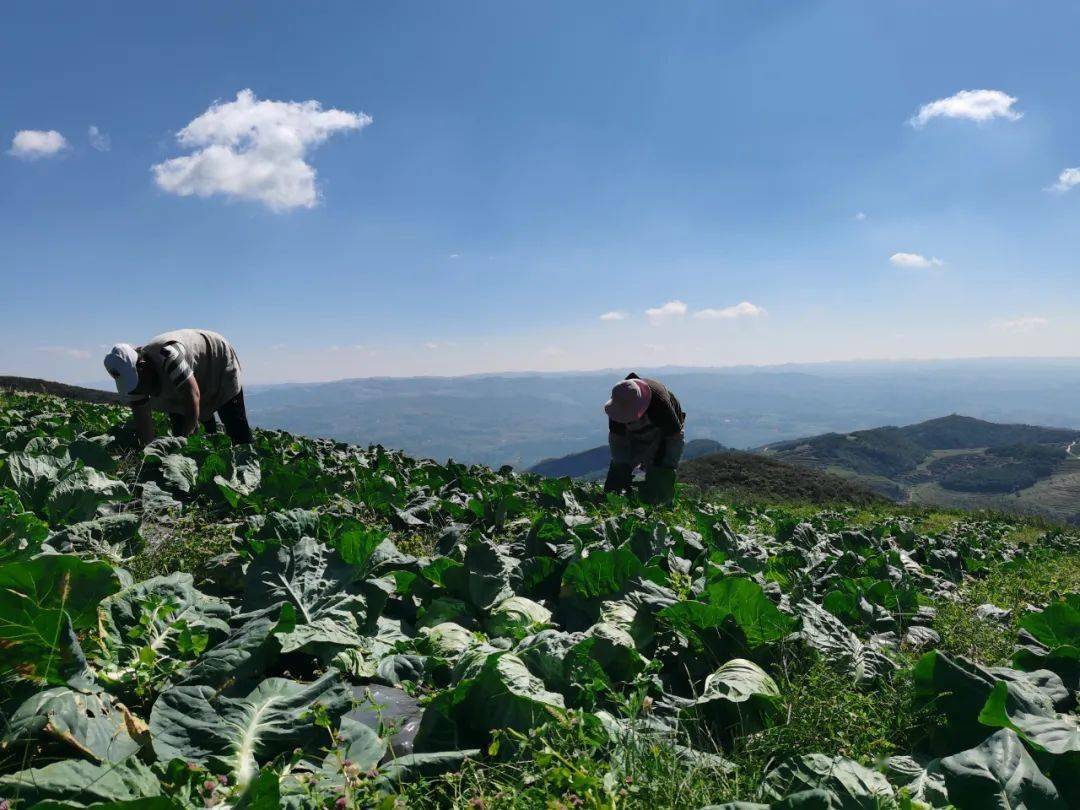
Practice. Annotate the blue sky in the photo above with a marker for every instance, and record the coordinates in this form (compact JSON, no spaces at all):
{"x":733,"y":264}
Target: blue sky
{"x":530,"y":167}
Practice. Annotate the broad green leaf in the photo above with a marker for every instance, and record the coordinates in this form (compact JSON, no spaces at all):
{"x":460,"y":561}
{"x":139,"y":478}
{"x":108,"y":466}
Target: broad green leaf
{"x":999,"y":773}
{"x":196,"y":724}
{"x":1042,"y":730}
{"x":516,"y":617}
{"x":78,"y":494}
{"x":1058,"y":624}
{"x":738,"y":610}
{"x":498,"y":692}
{"x":960,"y":689}
{"x":42,"y":603}
{"x":854,"y":786}
{"x":21,"y":532}
{"x":112,"y":537}
{"x":86,"y":723}
{"x":242,"y":476}
{"x":82,"y":782}
{"x":839,"y":646}
{"x":163,"y":622}
{"x":446,"y":640}
{"x":602,"y":573}
{"x":923,"y":783}
{"x":317,"y":583}
{"x":739,"y":695}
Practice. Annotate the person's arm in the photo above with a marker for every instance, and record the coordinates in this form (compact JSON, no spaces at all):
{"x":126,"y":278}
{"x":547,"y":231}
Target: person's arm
{"x":191,"y":389}
{"x":143,"y":418}
{"x":621,"y":470}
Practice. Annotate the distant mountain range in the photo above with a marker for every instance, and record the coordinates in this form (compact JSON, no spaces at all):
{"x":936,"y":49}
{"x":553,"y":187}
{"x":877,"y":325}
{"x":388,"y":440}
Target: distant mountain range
{"x":520,"y":419}
{"x":955,"y":461}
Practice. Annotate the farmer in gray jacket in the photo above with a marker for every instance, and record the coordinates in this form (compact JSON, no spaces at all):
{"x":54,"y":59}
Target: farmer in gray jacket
{"x":190,"y":374}
{"x":645,"y":428}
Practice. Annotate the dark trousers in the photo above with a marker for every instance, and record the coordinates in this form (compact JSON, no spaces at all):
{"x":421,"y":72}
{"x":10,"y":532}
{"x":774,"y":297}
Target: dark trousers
{"x":233,"y":416}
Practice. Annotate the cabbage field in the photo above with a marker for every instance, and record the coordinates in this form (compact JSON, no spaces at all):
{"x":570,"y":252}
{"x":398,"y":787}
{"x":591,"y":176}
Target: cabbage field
{"x":304,"y":623}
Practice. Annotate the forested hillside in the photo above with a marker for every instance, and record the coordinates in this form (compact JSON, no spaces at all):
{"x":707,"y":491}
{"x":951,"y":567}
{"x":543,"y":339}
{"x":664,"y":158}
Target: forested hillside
{"x":954,"y":461}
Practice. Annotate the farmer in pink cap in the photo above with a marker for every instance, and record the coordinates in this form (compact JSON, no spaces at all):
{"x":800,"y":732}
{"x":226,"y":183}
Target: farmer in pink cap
{"x":645,"y":428}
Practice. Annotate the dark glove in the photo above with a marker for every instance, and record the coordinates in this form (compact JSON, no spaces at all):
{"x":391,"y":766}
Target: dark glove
{"x":620,"y":477}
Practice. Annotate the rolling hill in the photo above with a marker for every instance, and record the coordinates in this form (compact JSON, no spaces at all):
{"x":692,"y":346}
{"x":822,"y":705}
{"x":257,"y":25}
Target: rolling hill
{"x":753,"y":478}
{"x":954,"y":461}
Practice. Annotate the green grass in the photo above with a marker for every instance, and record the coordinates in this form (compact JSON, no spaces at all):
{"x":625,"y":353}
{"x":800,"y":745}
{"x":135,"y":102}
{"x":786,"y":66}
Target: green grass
{"x":186,"y":544}
{"x":563,"y":765}
{"x":1039,"y":577}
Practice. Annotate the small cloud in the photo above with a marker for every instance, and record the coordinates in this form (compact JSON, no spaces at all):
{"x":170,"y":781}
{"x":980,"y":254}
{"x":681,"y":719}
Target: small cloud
{"x":432,"y":345}
{"x":31,"y":144}
{"x":256,"y":150}
{"x":860,"y":216}
{"x":652,"y":347}
{"x":974,"y":105}
{"x":741,"y":310}
{"x":454,"y":256}
{"x":552,"y":351}
{"x":614,"y":315}
{"x":1026,"y":324}
{"x":65,"y":352}
{"x":1066,"y":180}
{"x":914,"y":260}
{"x":98,"y":139}
{"x":672,"y":309}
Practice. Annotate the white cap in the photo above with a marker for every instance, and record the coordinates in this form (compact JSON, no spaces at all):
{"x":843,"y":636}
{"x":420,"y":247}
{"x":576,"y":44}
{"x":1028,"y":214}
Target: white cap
{"x":120,"y":363}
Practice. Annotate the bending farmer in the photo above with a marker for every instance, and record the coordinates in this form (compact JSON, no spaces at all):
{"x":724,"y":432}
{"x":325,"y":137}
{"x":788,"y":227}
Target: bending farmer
{"x":190,"y":374}
{"x":645,"y":428}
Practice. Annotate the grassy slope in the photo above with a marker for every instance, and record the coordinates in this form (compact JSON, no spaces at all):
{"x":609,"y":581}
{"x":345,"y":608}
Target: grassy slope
{"x":752,"y":478}
{"x":823,"y":712}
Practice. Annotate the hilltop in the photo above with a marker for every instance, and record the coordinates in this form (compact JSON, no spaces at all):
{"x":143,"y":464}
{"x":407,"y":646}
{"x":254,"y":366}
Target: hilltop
{"x":304,"y":623}
{"x":954,"y":461}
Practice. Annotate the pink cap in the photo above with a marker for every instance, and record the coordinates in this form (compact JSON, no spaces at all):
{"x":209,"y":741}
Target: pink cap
{"x":629,"y":401}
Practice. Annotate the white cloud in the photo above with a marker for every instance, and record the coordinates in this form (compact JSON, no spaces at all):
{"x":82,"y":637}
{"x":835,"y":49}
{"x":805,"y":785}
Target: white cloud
{"x":98,"y":139}
{"x":455,"y":256}
{"x":860,"y":216}
{"x":672,"y":309}
{"x":914,"y":260}
{"x":614,"y":315}
{"x":974,"y":105}
{"x":741,"y":310}
{"x":65,"y":352}
{"x":432,"y":345}
{"x":1066,"y":180}
{"x":1026,"y":324}
{"x":254,"y":150}
{"x":31,"y":144}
